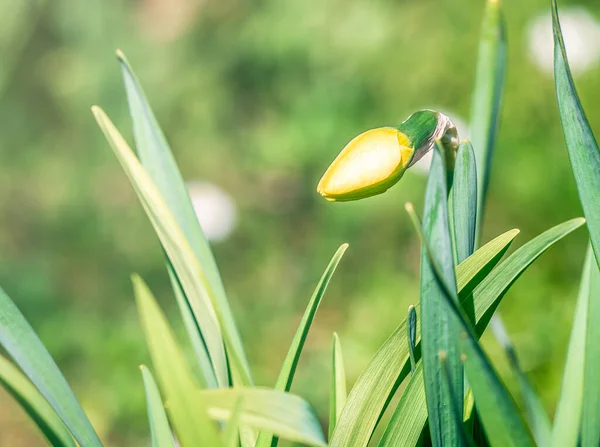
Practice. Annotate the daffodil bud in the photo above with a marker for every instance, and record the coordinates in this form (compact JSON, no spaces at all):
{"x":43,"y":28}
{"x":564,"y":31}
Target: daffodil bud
{"x":376,"y":159}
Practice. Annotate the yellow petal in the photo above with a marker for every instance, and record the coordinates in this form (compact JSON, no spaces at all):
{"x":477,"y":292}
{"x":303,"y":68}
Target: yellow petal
{"x":368,"y":165}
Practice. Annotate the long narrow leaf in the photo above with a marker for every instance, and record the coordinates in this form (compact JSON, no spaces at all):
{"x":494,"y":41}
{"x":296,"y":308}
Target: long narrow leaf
{"x":157,"y":418}
{"x":286,"y":415}
{"x":286,"y":375}
{"x":567,"y":420}
{"x":464,"y":201}
{"x":389,"y":366}
{"x":189,"y":272}
{"x":194,"y":333}
{"x":156,"y":157}
{"x":496,"y":408}
{"x":27,"y":350}
{"x":186,"y":412}
{"x":438,"y":331}
{"x":590,"y":424}
{"x":489,"y":83}
{"x":38,"y":409}
{"x":581,"y":144}
{"x":466,"y":437}
{"x":338,"y":395}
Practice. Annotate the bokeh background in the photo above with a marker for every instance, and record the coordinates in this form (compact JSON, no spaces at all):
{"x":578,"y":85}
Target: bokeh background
{"x":256,"y":98}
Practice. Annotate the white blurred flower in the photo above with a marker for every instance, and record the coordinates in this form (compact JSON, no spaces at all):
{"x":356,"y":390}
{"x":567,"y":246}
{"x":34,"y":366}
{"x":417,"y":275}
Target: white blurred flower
{"x":215,"y":209}
{"x":581,"y":32}
{"x":422,"y":166}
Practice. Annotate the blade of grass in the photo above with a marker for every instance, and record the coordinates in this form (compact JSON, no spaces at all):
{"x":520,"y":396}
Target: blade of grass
{"x":34,"y":404}
{"x":27,"y":350}
{"x":581,"y":144}
{"x":189,"y":271}
{"x":485,"y":108}
{"x":186,"y":411}
{"x":286,"y":375}
{"x":157,"y":418}
{"x":438,"y":332}
{"x":499,"y":413}
{"x":590,"y":424}
{"x":537,"y":418}
{"x":567,"y":419}
{"x":158,"y":161}
{"x":194,"y":333}
{"x":378,"y":382}
{"x":287,"y":415}
{"x":338,"y":395}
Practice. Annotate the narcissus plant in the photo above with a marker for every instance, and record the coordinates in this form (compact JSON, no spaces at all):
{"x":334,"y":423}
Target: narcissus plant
{"x":375,"y":160}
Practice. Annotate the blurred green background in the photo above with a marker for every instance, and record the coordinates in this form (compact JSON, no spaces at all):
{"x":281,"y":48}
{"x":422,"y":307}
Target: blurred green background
{"x":257,"y":97}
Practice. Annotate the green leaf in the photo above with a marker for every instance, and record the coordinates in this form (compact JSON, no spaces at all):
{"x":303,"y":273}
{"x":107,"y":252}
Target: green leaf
{"x":567,"y":418}
{"x":590,"y":425}
{"x":34,"y":404}
{"x":194,"y":333}
{"x":27,"y":350}
{"x":338,"y":395}
{"x":581,"y":144}
{"x":408,"y":419}
{"x":286,"y":375}
{"x":464,"y":201}
{"x":189,"y":272}
{"x":186,"y":412}
{"x":537,"y":418}
{"x":438,"y":332}
{"x":499,"y":413}
{"x":485,"y":108}
{"x":286,"y":415}
{"x":466,"y":437}
{"x":412,"y":337}
{"x":158,"y":161}
{"x":230,"y":434}
{"x":389,"y":366}
{"x":157,"y":418}
{"x":378,"y":382}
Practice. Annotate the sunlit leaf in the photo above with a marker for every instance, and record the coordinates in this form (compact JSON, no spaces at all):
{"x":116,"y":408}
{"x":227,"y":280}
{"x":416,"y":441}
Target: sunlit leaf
{"x":34,"y":404}
{"x":337,"y":395}
{"x":186,"y":411}
{"x":286,"y":415}
{"x":27,"y":350}
{"x":158,"y":161}
{"x":286,"y":375}
{"x":157,"y":418}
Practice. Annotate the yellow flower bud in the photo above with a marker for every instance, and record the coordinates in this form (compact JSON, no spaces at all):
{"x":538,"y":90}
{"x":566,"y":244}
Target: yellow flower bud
{"x":368,"y":165}
{"x":376,"y":159}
